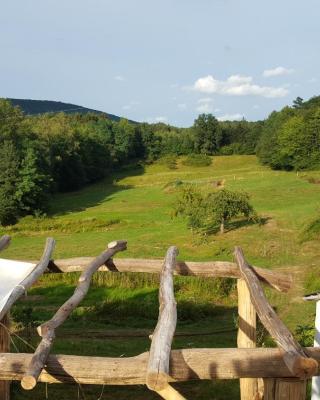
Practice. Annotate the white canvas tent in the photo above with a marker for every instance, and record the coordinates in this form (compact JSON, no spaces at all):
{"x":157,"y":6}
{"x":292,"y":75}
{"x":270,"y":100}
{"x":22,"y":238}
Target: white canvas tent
{"x":12,"y":273}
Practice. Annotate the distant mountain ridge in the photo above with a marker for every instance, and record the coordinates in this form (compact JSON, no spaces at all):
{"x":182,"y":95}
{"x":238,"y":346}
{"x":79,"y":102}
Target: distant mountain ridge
{"x":34,"y":107}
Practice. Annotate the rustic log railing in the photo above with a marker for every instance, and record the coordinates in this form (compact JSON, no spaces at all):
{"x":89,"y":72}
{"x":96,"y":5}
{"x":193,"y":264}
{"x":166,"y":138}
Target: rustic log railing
{"x":47,"y":330}
{"x":275,"y":373}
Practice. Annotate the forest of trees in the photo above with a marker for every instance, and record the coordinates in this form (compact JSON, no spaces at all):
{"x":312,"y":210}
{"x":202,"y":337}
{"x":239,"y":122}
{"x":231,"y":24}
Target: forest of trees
{"x":48,"y":153}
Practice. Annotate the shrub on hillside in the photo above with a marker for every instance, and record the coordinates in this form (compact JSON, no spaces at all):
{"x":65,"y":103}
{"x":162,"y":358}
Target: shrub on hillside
{"x":311,"y":231}
{"x":211,"y":212}
{"x":197,"y":160}
{"x":170,"y":161}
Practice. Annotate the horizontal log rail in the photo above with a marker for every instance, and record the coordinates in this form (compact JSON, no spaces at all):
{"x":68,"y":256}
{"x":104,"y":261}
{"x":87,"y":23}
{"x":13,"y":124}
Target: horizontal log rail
{"x":34,"y":275}
{"x":277,"y":280}
{"x":47,"y":330}
{"x":185,"y":365}
{"x":294,"y":356}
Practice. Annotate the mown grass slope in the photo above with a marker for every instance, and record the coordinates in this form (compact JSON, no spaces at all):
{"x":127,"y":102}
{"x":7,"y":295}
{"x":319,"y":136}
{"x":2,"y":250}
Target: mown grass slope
{"x":137,"y":206}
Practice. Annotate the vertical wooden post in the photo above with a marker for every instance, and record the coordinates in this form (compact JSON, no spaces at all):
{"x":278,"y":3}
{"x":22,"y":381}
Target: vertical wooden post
{"x":247,"y":336}
{"x":4,"y":348}
{"x":285,"y":389}
{"x":290,"y":389}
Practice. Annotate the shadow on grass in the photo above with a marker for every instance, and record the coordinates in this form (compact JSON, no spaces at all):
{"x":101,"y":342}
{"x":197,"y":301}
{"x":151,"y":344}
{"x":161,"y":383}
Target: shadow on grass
{"x":237,"y":224}
{"x":92,"y":195}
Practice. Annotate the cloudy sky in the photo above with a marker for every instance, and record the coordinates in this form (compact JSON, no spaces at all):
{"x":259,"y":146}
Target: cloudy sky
{"x":164,"y":60}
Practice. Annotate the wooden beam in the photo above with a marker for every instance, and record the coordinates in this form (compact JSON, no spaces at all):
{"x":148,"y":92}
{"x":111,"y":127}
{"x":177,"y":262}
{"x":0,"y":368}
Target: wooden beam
{"x":280,"y":281}
{"x":295,"y":358}
{"x":47,"y":330}
{"x":290,"y":389}
{"x":38,"y":270}
{"x":169,"y":393}
{"x":159,"y":357}
{"x":246,"y":336}
{"x":4,"y":332}
{"x":185,"y":365}
{"x":4,"y":348}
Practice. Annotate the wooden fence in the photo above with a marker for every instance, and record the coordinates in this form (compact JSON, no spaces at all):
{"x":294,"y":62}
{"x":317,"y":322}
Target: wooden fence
{"x":264,"y":373}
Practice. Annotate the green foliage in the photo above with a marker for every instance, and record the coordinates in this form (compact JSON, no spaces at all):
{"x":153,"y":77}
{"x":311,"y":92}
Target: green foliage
{"x":208,"y":134}
{"x":209,"y":211}
{"x":197,"y":160}
{"x":9,"y":177}
{"x":170,"y":161}
{"x":305,"y":335}
{"x":311,"y":231}
{"x":290,"y":139}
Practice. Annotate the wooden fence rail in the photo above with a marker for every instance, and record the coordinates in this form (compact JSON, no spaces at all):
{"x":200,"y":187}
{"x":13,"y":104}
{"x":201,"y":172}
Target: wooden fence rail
{"x":264,"y":373}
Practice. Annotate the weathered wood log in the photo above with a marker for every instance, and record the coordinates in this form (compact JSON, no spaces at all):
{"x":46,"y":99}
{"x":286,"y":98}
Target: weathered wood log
{"x":4,"y":242}
{"x":158,"y":365}
{"x":280,"y":281}
{"x":169,"y":393}
{"x":47,"y":330}
{"x":295,"y":358}
{"x":4,"y":348}
{"x":246,"y":335}
{"x":185,"y":365}
{"x":4,"y":332}
{"x":38,"y":270}
{"x":290,"y":389}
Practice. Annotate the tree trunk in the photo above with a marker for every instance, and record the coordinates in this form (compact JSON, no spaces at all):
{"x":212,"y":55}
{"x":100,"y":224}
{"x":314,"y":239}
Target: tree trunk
{"x":222,"y":226}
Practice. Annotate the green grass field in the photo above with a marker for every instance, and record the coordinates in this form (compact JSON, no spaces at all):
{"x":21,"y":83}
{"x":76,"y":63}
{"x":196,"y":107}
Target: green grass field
{"x":137,"y":206}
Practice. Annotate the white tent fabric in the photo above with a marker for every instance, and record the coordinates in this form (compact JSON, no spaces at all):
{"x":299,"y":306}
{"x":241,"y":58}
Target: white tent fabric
{"x":12,"y":273}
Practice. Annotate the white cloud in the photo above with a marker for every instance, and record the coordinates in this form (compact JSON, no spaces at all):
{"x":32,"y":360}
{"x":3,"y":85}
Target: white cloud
{"x":313,"y":80}
{"x":182,"y":106}
{"x":205,"y":100}
{"x":119,"y":78}
{"x":155,"y":120}
{"x":131,"y":105}
{"x":205,"y":108}
{"x":237,"y":85}
{"x":278,"y":71}
{"x":231,"y":117}
{"x":256,"y":107}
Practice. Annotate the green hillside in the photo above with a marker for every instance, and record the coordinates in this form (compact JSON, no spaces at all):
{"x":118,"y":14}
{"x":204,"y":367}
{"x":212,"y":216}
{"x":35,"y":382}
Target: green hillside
{"x":137,"y":205}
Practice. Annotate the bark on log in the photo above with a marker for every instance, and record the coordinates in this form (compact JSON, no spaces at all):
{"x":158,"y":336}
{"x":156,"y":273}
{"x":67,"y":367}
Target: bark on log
{"x":280,"y":281}
{"x":169,"y":393}
{"x":4,"y":242}
{"x":47,"y":330}
{"x":295,"y":358}
{"x":39,"y":269}
{"x":159,"y":358}
{"x":290,"y":389}
{"x":185,"y":365}
{"x":246,"y":336}
{"x":4,"y":348}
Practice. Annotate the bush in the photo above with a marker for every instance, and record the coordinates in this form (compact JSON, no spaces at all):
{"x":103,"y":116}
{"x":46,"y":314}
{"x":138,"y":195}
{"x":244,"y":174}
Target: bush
{"x":311,"y":232}
{"x":170,"y":161}
{"x":197,"y":160}
{"x":211,"y":212}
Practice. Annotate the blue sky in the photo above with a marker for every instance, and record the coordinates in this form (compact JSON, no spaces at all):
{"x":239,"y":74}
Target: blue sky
{"x":165,"y":60}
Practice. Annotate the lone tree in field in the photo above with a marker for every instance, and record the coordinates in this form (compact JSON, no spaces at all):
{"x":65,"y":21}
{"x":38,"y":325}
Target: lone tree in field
{"x":212,"y":211}
{"x":226,"y":205}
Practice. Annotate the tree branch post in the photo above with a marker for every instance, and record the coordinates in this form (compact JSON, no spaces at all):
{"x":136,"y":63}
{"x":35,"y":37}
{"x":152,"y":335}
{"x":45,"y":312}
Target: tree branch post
{"x":47,"y":330}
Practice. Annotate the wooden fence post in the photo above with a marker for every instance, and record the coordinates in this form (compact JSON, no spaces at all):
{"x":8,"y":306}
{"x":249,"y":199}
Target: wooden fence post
{"x":246,"y":336}
{"x":4,"y":348}
{"x":285,"y":389}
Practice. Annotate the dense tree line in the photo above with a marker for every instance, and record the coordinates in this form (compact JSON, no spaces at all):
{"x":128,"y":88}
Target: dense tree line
{"x":51,"y":153}
{"x":48,"y":153}
{"x":290,"y":138}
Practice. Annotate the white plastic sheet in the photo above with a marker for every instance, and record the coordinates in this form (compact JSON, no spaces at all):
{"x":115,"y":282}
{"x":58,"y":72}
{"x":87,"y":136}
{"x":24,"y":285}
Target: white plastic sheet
{"x":12,"y":273}
{"x":315,"y":390}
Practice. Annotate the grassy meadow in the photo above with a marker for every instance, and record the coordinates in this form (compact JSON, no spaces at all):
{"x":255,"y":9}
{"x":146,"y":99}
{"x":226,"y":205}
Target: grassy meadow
{"x":137,"y":205}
